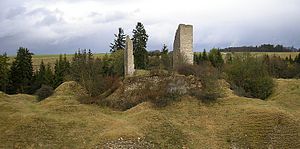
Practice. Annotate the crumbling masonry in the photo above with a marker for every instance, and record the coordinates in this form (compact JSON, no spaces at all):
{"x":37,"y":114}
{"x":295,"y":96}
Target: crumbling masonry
{"x":183,"y":45}
{"x":128,"y":58}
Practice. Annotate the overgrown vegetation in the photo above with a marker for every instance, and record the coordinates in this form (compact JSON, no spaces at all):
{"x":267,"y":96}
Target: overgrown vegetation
{"x":249,"y":77}
{"x":208,"y":76}
{"x":96,"y":75}
{"x":159,"y":96}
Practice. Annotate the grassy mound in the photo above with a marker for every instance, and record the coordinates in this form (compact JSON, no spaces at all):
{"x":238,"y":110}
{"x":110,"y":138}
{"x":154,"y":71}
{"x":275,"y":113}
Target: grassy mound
{"x":286,"y":95}
{"x":232,"y":122}
{"x":70,"y":88}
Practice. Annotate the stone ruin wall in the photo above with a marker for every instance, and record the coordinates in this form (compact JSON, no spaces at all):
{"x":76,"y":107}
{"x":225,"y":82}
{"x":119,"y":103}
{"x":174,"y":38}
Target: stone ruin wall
{"x":183,"y":45}
{"x":128,"y":58}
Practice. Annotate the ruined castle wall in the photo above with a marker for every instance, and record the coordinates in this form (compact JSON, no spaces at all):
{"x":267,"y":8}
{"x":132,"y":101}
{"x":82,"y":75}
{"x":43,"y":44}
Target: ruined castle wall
{"x":183,"y":45}
{"x":128,"y":58}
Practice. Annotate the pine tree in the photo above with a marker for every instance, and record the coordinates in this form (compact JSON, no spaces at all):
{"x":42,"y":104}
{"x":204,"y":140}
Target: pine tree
{"x":49,"y":75}
{"x":44,"y":75}
{"x":165,"y":59}
{"x":215,"y":57}
{"x":196,"y":57}
{"x":4,"y":71}
{"x":204,"y":55}
{"x":165,"y":49}
{"x":200,"y":59}
{"x":61,"y":69}
{"x":21,"y":74}
{"x":40,"y":77}
{"x":119,"y":41}
{"x":140,"y":53}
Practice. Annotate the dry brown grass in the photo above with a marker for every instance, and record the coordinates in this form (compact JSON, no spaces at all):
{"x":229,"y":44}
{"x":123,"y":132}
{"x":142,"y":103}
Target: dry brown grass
{"x":60,"y":121}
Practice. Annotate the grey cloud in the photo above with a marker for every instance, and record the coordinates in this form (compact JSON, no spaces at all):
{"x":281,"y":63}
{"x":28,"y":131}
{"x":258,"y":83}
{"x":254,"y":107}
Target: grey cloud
{"x":108,"y":17}
{"x":44,"y":30}
{"x":48,"y":17}
{"x":13,"y":12}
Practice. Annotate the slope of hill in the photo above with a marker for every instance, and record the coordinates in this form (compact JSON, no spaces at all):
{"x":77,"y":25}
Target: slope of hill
{"x":61,"y":121}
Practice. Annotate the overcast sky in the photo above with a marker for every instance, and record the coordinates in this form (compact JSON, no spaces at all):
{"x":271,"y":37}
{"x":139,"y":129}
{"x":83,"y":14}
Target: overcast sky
{"x":62,"y":26}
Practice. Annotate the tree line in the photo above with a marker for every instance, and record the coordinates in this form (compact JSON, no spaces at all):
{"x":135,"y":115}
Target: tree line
{"x":261,"y":48}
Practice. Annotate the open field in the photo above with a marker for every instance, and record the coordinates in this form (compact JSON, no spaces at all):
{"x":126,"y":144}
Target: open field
{"x":37,"y":59}
{"x":232,"y":122}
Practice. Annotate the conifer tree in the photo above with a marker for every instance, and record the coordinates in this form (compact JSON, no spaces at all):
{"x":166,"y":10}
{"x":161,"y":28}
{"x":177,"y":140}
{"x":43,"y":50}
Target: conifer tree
{"x":140,"y":53}
{"x":119,"y":41}
{"x":200,"y":59}
{"x":215,"y":57}
{"x":204,"y":56}
{"x":49,"y":75}
{"x":44,"y":75}
{"x":40,"y":77}
{"x":4,"y":71}
{"x":21,"y":74}
{"x":165,"y":60}
{"x":61,"y":69}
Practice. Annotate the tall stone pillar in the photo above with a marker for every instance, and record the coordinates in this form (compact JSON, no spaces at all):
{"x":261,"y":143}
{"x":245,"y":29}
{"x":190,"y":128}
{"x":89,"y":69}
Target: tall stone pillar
{"x":183,"y":46}
{"x":128,"y":58}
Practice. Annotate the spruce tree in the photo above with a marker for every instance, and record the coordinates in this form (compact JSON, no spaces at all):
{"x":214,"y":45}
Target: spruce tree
{"x":44,"y":75}
{"x":140,"y":53}
{"x":4,"y":71}
{"x":40,"y":77}
{"x":215,"y":57}
{"x":21,"y":74}
{"x":196,"y":57}
{"x":200,"y":59}
{"x":165,"y":60}
{"x":49,"y":75}
{"x":119,"y":41}
{"x":204,"y":55}
{"x":61,"y":69}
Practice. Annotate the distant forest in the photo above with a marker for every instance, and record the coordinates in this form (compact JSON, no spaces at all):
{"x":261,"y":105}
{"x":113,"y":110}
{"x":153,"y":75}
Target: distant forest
{"x":262,"y":48}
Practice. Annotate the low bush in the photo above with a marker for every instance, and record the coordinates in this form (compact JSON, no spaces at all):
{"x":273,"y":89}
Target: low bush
{"x":250,"y":76}
{"x":44,"y":92}
{"x":208,"y":75}
{"x":105,"y":85}
{"x":159,"y":96}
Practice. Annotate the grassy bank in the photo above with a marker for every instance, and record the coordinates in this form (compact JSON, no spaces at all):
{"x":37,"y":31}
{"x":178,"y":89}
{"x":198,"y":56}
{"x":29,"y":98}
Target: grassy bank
{"x":61,"y":122}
